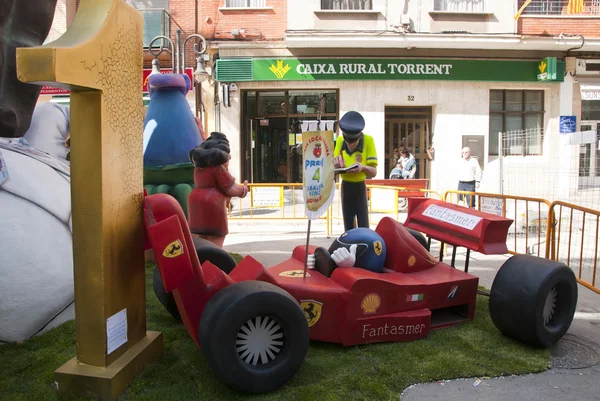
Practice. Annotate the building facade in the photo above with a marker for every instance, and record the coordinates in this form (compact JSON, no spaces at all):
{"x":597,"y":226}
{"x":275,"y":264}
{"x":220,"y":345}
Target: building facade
{"x":432,"y":75}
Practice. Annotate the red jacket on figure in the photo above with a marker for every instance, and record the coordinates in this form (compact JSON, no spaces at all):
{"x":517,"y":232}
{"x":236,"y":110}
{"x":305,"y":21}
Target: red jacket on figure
{"x":213,"y":187}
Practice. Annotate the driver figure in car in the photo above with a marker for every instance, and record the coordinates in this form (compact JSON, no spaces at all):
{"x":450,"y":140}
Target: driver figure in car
{"x":358,"y":247}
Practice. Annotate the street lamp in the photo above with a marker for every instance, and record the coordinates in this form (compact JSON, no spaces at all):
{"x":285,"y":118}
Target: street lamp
{"x":178,"y":55}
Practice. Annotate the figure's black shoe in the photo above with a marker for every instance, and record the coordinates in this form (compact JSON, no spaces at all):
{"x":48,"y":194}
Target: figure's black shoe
{"x":323,"y":262}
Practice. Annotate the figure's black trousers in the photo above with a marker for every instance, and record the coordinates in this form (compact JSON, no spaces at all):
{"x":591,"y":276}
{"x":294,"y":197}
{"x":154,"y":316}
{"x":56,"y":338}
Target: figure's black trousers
{"x":354,"y":204}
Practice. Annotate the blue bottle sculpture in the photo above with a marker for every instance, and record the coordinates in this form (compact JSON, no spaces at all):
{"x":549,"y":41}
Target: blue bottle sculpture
{"x":176,"y":131}
{"x":170,"y":132}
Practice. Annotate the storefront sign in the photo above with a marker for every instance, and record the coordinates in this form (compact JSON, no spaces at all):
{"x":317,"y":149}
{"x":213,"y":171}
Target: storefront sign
{"x":49,"y":90}
{"x":309,"y":69}
{"x":546,"y":69}
{"x":590,"y":94}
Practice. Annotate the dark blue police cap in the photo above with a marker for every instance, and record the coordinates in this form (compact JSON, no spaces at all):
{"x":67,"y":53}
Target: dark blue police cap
{"x":352,"y":124}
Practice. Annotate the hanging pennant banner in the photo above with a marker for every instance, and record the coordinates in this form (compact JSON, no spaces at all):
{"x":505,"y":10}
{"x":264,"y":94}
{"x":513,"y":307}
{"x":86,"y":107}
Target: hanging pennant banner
{"x":317,"y":150}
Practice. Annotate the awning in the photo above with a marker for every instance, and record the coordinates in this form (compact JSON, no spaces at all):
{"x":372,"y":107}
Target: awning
{"x":590,"y":88}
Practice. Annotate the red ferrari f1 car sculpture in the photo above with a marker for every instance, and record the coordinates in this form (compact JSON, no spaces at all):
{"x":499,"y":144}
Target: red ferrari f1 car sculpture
{"x":254,"y":324}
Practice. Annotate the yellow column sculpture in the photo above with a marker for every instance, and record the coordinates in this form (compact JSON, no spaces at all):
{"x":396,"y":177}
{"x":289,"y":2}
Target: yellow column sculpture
{"x":100,"y":59}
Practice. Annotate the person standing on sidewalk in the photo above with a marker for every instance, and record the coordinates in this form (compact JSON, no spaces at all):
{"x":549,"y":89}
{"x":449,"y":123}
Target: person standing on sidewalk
{"x":354,"y":147}
{"x":469,"y":176}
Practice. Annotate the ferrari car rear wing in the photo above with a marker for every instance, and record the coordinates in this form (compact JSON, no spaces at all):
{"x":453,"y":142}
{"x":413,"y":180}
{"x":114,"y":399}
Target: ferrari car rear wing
{"x":457,"y":225}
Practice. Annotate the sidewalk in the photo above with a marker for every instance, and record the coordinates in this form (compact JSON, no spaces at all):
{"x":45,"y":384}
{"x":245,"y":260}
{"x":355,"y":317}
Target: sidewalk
{"x":574,"y":372}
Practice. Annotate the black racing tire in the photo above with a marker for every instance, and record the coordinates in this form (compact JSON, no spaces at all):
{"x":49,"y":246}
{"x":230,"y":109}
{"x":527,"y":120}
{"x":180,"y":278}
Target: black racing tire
{"x":165,"y":298}
{"x":270,"y":317}
{"x":419,"y":237}
{"x":533,"y":300}
{"x":217,"y":256}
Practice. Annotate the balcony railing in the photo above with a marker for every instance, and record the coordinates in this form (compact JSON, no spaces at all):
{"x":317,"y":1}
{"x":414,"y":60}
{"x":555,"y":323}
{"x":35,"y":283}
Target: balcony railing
{"x":467,"y":6}
{"x":157,"y":21}
{"x":559,"y":7}
{"x":346,"y":4}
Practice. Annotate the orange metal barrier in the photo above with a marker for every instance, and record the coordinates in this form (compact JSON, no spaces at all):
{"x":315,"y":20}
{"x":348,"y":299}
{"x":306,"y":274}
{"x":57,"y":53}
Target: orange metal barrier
{"x":395,"y":204}
{"x":530,"y":233}
{"x":558,"y":231}
{"x":579,"y":251}
{"x":272,"y":201}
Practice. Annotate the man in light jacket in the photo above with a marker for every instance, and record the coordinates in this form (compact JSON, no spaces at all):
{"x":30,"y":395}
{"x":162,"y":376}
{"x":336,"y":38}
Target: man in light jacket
{"x":469,"y":176}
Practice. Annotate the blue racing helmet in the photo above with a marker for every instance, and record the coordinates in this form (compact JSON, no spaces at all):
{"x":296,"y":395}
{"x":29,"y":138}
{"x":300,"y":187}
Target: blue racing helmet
{"x":370,"y":250}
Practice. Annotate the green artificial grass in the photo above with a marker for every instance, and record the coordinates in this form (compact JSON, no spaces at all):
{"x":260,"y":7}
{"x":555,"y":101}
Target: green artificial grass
{"x":236,"y":256}
{"x":330,"y":371}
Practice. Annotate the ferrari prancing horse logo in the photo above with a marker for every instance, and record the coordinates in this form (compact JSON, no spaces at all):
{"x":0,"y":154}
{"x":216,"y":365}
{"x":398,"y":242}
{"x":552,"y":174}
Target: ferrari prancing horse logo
{"x":377,"y":246}
{"x":312,"y":310}
{"x":173,"y":250}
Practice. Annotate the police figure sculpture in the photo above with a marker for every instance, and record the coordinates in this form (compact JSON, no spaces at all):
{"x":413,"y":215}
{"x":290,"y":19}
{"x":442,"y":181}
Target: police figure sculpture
{"x":354,"y":148}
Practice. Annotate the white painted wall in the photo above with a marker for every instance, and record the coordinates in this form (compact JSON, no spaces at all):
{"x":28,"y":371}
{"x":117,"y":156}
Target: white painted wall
{"x":307,"y":14}
{"x":459,"y":108}
{"x":500,"y":19}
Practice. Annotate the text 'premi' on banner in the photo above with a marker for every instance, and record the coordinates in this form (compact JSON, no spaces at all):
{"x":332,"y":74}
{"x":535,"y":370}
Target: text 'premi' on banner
{"x":318,"y":185}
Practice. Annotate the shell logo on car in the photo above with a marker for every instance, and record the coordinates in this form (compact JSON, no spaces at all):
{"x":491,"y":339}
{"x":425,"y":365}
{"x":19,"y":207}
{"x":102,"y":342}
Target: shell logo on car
{"x":412,"y":260}
{"x":370,"y":304}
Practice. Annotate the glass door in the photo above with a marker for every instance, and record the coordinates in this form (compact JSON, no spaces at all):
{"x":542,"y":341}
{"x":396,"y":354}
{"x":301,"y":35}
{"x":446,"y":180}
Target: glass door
{"x":273,"y":122}
{"x":270,"y":151}
{"x":413,"y":134}
{"x":589,"y":157}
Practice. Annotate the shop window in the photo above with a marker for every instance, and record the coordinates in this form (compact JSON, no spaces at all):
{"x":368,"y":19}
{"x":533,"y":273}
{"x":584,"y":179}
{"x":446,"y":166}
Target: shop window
{"x":302,"y":104}
{"x":272,"y":130}
{"x":590,"y":110}
{"x":346,"y":4}
{"x":519,"y":115}
{"x":245,"y":3}
{"x":466,"y":6}
{"x":311,"y":102}
{"x":271,"y":104}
